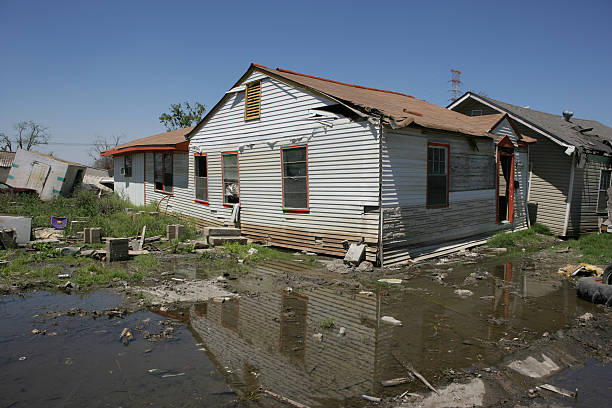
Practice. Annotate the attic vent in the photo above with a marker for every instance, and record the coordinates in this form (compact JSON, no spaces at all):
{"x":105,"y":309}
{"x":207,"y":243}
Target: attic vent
{"x":252,"y":101}
{"x":476,"y":112}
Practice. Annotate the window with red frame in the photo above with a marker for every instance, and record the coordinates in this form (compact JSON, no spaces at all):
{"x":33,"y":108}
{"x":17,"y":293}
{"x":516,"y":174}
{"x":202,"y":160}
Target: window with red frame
{"x":295,"y":177}
{"x":162,"y":172}
{"x":201,"y":177}
{"x":231,"y":188}
{"x":437,"y":176}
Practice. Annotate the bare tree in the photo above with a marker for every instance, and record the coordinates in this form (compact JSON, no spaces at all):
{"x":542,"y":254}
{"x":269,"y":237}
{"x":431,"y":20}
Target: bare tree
{"x":28,"y":134}
{"x":102,"y":144}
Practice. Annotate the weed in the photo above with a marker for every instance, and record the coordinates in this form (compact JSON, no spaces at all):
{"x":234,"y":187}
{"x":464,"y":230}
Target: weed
{"x":541,"y":229}
{"x":101,"y":274}
{"x":107,"y":212}
{"x":146,"y":262}
{"x":328,"y":323}
{"x":595,"y":249}
{"x":521,"y":238}
{"x":44,"y":251}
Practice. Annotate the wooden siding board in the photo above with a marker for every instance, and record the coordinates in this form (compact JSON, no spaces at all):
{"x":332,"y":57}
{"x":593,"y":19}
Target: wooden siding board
{"x":583,"y":217}
{"x":407,"y":223}
{"x":343,"y":171}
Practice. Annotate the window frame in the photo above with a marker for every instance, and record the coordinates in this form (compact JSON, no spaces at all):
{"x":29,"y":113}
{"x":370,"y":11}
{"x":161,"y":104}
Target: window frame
{"x":195,"y":179}
{"x":599,"y":191}
{"x":248,"y":118}
{"x":164,"y":191}
{"x":125,"y":166}
{"x":230,"y":205}
{"x":294,"y":210}
{"x":446,"y":146}
{"x":472,"y":113}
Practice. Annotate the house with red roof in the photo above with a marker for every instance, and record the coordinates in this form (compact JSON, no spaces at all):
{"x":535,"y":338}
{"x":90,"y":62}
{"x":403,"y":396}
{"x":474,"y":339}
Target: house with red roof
{"x":305,"y":162}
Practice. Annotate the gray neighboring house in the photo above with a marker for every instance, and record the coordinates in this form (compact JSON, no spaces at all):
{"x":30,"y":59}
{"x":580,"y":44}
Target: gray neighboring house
{"x":6,"y":161}
{"x":48,"y":175}
{"x":570,"y":165}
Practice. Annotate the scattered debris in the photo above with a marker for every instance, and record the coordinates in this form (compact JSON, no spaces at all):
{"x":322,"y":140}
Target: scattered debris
{"x":69,"y":251}
{"x":283,"y":399}
{"x":342,"y":332}
{"x":463,"y":293}
{"x":371,"y":399}
{"x":396,"y":381}
{"x":582,"y":269}
{"x":558,"y":390}
{"x":364,"y":267}
{"x":408,"y":367}
{"x":391,"y":281}
{"x":391,"y":320}
{"x":366,"y":293}
{"x":355,"y":254}
{"x":530,"y":367}
{"x":585,"y":317}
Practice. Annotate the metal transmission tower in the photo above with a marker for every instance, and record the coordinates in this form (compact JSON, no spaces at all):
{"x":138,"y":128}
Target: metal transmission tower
{"x":455,"y":85}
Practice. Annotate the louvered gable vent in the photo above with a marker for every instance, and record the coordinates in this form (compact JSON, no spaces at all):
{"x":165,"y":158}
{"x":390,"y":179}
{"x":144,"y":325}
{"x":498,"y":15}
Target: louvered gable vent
{"x":252,"y":103}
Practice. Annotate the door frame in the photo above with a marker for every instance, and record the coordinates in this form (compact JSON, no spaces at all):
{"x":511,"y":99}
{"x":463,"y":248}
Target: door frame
{"x":505,"y":143}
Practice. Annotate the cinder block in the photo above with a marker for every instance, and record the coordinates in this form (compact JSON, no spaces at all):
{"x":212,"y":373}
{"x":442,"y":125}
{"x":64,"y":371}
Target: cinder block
{"x":222,"y":240}
{"x":117,"y":249}
{"x":355,"y":254}
{"x":92,"y":235}
{"x":76,"y":226}
{"x":221,"y":232}
{"x":175,"y":232}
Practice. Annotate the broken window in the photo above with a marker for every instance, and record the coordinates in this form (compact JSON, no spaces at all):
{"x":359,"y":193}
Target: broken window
{"x":252,"y":101}
{"x":295,"y":177}
{"x":162,"y":172}
{"x":201,"y":177}
{"x":437,"y":175}
{"x":127,"y":165}
{"x":604,"y":184}
{"x":231,"y":187}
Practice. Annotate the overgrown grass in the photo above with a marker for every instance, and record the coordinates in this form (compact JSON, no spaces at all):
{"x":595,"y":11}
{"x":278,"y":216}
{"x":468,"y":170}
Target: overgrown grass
{"x":523,"y":238}
{"x":595,"y":249}
{"x":255,"y":253}
{"x":96,"y":274}
{"x":106,"y":212}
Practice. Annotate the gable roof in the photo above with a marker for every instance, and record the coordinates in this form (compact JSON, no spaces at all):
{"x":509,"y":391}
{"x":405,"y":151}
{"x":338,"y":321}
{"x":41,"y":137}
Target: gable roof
{"x":173,"y":140}
{"x":396,"y":109}
{"x":590,"y":135}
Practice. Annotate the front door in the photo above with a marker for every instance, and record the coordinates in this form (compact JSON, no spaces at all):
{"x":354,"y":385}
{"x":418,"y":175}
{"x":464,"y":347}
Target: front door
{"x":505,"y":185}
{"x":38,"y":176}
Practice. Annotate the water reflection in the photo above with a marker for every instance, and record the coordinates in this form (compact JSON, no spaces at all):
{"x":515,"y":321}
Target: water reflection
{"x":271,"y":340}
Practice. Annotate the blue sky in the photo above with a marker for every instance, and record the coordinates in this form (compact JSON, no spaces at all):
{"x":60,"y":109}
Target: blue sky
{"x":88,"y":69}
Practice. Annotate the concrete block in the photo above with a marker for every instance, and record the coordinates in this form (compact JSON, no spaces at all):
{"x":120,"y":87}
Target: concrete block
{"x":222,"y":240}
{"x":221,"y":232}
{"x":92,"y":235}
{"x":117,"y":249}
{"x":175,"y":232}
{"x":355,"y":254}
{"x":22,"y":226}
{"x":76,"y":226}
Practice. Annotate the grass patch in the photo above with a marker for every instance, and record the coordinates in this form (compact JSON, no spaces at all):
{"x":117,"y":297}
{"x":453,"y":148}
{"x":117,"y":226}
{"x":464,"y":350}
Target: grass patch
{"x":541,"y":229}
{"x":595,"y":249}
{"x":255,"y":253}
{"x":106,"y":212}
{"x":96,"y":274}
{"x":518,"y":239}
{"x":146,"y":261}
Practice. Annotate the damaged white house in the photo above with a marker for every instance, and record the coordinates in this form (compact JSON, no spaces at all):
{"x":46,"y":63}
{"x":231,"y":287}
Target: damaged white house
{"x":310,"y":162}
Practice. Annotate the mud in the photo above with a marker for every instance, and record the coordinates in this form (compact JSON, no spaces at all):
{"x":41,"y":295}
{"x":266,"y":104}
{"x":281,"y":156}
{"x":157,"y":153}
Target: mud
{"x":477,"y":328}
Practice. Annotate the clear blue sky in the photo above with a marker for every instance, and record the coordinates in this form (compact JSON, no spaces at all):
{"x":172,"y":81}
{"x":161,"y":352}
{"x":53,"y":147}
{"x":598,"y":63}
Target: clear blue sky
{"x":88,"y":69}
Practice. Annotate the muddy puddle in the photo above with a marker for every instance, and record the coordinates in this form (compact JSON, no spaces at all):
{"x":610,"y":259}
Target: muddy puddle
{"x":318,"y":342}
{"x":81,"y":361}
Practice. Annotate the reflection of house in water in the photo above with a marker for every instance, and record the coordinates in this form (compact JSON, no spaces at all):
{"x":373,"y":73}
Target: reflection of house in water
{"x":272,"y":335}
{"x":268,"y":339}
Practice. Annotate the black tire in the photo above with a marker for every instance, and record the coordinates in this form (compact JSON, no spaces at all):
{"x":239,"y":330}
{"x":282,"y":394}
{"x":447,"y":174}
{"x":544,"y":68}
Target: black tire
{"x":607,"y":275}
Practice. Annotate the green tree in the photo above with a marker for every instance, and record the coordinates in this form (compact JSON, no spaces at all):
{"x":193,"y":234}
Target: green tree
{"x":182,"y":115}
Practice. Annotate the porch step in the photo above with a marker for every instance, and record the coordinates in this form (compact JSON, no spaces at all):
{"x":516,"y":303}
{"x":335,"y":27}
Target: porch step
{"x":221,"y":232}
{"x":213,"y":240}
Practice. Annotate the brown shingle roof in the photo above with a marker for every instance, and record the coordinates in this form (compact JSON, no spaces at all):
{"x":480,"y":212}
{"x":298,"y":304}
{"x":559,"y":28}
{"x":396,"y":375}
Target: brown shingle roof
{"x":167,"y":140}
{"x":397,"y":109}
